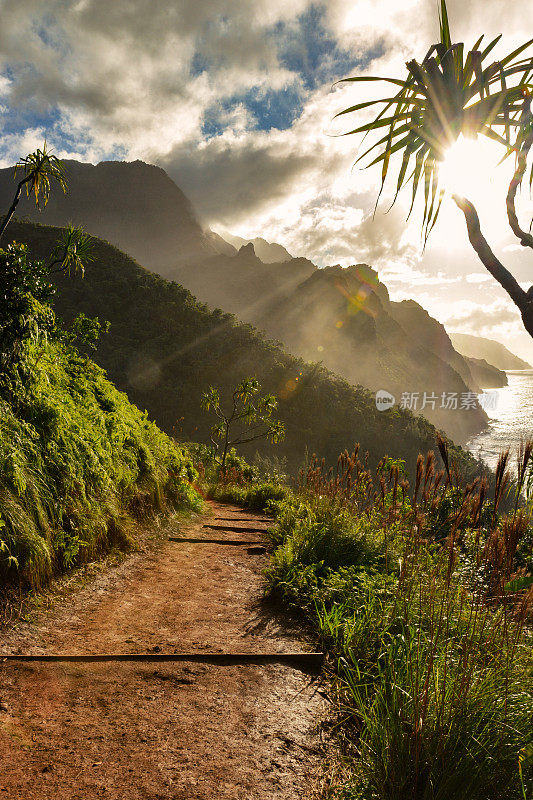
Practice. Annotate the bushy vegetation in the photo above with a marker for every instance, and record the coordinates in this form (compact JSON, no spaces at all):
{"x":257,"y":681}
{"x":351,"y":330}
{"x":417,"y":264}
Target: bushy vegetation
{"x":250,"y":486}
{"x":248,"y":419}
{"x":421,"y":595}
{"x":164,"y":349}
{"x":76,"y":458}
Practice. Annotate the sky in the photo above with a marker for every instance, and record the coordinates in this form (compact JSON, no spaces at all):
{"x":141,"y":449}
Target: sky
{"x":237,"y":101}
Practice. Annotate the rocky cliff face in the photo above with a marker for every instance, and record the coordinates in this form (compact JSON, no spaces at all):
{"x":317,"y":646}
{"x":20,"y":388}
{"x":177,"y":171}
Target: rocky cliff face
{"x":344,"y":317}
{"x":485,"y":375}
{"x":422,"y":328}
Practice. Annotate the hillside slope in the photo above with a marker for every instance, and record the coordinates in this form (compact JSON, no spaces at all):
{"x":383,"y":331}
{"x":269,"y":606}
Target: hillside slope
{"x":77,"y":460}
{"x":164,"y":349}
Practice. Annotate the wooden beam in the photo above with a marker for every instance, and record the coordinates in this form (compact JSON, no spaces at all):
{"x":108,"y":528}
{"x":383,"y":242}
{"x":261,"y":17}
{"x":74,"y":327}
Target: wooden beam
{"x":233,"y":542}
{"x":298,"y":660}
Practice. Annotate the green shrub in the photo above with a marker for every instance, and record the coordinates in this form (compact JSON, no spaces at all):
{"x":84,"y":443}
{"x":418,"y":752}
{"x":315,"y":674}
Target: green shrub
{"x":254,"y":496}
{"x":315,"y":540}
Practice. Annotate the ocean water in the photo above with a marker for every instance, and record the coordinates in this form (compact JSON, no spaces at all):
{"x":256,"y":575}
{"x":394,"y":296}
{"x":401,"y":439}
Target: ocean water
{"x":511,"y":418}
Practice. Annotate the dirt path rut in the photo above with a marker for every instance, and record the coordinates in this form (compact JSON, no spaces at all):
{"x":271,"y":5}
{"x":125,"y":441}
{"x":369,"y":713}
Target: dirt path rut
{"x":152,"y":731}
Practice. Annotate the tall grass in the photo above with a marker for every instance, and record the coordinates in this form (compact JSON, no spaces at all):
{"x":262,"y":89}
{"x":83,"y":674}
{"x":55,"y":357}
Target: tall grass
{"x":420,"y":595}
{"x":76,"y":461}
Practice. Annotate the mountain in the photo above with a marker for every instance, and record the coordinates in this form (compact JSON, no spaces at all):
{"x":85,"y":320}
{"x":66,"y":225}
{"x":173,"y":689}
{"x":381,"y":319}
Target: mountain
{"x":267,"y":252}
{"x":493,"y":352}
{"x":164,"y":349}
{"x":487,"y":376}
{"x":243,"y":284}
{"x":423,"y":330}
{"x":342,"y":317}
{"x":134,"y":205}
{"x":221,"y":245}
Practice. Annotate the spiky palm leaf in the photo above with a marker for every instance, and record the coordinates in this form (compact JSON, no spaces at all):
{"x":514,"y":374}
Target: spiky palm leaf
{"x":39,"y":168}
{"x":73,"y":250}
{"x":445,"y":95}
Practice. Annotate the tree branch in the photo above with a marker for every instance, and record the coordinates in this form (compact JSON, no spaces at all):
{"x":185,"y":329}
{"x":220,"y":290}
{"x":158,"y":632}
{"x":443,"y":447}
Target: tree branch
{"x":526,"y":239}
{"x":522,"y":299}
{"x":53,"y":264}
{"x":250,"y":439}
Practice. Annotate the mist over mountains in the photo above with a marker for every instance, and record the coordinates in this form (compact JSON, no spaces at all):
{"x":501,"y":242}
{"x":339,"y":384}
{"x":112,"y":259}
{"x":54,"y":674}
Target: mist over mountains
{"x":267,"y":252}
{"x":478,"y":348}
{"x":342,"y":317}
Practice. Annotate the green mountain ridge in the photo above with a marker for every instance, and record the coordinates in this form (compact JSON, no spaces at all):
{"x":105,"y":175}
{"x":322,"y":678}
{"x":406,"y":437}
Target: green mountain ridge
{"x":344,"y":317}
{"x":164,"y":349}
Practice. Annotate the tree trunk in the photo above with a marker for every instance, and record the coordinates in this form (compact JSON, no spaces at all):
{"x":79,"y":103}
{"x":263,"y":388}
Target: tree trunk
{"x":526,"y":239}
{"x":527,"y":314}
{"x":8,"y":217}
{"x":523,"y":300}
{"x":225,"y":452}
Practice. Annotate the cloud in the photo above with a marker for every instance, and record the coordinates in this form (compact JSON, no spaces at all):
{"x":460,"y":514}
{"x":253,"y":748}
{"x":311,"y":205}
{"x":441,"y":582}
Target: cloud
{"x":229,"y":175}
{"x":235,"y":100}
{"x":469,"y":316}
{"x":409,"y":276}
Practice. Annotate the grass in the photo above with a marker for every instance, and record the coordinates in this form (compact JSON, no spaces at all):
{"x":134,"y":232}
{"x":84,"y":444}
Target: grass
{"x":412,"y":591}
{"x":77,"y":462}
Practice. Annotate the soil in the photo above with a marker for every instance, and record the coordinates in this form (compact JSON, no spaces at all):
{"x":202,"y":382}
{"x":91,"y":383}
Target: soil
{"x":186,"y":731}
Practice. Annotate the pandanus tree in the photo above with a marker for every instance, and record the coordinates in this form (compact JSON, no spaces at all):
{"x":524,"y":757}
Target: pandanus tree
{"x":25,"y":283}
{"x":453,"y":93}
{"x":39,"y":169}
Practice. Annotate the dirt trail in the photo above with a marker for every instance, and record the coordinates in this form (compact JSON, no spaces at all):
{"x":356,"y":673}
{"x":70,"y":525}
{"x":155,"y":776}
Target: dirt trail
{"x":132,"y":731}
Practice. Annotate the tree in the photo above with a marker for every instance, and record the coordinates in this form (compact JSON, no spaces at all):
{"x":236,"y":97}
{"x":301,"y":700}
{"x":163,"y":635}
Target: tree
{"x":39,"y":169}
{"x":26,"y":288}
{"x":24,"y":310}
{"x":249,"y":418}
{"x":448,"y":94}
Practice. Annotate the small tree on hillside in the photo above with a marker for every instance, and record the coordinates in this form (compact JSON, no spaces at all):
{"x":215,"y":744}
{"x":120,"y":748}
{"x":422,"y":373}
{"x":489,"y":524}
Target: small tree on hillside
{"x":38,"y":170}
{"x":248,"y":419}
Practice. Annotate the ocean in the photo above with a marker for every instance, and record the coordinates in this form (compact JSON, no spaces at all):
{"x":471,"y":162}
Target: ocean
{"x":510,"y":410}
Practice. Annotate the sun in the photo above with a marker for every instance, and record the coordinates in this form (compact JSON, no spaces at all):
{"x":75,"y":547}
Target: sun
{"x":468,"y":168}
